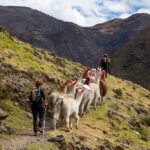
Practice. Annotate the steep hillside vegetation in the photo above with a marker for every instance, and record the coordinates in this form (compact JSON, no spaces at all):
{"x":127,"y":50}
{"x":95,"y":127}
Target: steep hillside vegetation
{"x":84,"y":45}
{"x":120,"y":123}
{"x":21,"y":65}
{"x":132,"y":62}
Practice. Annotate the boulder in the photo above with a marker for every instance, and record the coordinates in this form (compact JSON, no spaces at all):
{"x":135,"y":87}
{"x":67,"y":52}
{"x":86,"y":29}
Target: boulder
{"x":3,"y":115}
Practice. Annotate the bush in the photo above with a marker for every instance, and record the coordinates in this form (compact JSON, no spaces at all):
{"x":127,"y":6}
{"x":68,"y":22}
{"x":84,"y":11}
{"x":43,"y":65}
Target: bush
{"x":146,"y":120}
{"x":118,"y":92}
{"x":3,"y":92}
{"x":2,"y":29}
{"x":145,"y":134}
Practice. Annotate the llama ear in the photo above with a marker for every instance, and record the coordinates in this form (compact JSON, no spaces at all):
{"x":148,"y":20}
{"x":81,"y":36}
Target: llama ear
{"x":83,"y":90}
{"x":75,"y":82}
{"x":77,"y":89}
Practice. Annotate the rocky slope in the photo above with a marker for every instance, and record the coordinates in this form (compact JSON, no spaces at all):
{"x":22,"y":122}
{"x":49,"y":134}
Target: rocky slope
{"x":132,"y":62}
{"x":120,"y":123}
{"x":69,"y":40}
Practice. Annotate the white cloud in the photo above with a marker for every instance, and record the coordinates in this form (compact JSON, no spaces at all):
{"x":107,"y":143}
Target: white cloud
{"x":144,"y":10}
{"x":92,"y":11}
{"x":125,"y":15}
{"x":116,"y":6}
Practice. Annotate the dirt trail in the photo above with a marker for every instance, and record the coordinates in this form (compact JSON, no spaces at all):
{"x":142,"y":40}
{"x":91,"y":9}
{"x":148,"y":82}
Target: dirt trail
{"x":21,"y":141}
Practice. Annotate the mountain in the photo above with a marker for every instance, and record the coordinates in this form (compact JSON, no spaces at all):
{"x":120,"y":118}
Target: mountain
{"x":63,"y":38}
{"x":132,"y":62}
{"x":120,"y":123}
{"x":84,"y":45}
{"x":119,"y":31}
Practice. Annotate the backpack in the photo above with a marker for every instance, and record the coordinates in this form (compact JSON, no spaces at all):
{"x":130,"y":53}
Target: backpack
{"x":37,"y":95}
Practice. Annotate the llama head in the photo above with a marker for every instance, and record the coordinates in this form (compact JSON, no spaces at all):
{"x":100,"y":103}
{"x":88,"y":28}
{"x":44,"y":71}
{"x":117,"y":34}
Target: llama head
{"x":99,"y":71}
{"x":93,"y":71}
{"x":79,"y":90}
{"x":103,"y":74}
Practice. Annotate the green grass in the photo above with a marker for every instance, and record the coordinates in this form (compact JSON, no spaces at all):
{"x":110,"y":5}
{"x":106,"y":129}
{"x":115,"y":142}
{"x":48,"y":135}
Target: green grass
{"x":146,"y":120}
{"x":23,"y":56}
{"x":17,"y":119}
{"x":114,"y":129}
{"x":6,"y":136}
{"x":1,"y":147}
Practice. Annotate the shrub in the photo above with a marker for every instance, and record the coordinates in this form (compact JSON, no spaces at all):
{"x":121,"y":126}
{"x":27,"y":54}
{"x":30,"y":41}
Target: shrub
{"x":2,"y":29}
{"x":145,"y":134}
{"x":3,"y":92}
{"x":146,"y":120}
{"x":118,"y":92}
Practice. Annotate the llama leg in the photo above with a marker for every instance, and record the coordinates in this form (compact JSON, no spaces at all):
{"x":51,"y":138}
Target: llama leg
{"x":54,"y":122}
{"x":81,"y":110}
{"x":85,"y":106}
{"x":88,"y":106}
{"x":67,"y":123}
{"x":101,"y":99}
{"x":95,"y":102}
{"x":70,"y":123}
{"x":77,"y":120}
{"x":62,"y":121}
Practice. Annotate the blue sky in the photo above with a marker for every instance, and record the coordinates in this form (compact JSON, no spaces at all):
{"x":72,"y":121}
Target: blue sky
{"x":85,"y":12}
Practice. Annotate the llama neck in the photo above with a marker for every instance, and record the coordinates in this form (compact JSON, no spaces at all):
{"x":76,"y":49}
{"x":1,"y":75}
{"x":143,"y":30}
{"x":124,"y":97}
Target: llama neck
{"x":78,"y":99}
{"x":97,"y":80}
{"x":73,"y":89}
{"x":64,"y":90}
{"x":103,"y":78}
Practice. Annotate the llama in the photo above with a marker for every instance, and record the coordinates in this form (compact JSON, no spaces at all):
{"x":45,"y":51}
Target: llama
{"x":103,"y":86}
{"x":85,"y":99}
{"x":70,"y":107}
{"x":95,"y":91}
{"x":55,"y":100}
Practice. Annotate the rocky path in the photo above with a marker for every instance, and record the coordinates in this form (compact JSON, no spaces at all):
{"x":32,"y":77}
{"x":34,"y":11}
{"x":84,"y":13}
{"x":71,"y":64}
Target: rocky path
{"x":21,"y":141}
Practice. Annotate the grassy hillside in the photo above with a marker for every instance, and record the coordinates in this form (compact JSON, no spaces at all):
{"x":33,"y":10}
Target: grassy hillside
{"x":23,"y":56}
{"x":21,"y":65}
{"x":121,"y":122}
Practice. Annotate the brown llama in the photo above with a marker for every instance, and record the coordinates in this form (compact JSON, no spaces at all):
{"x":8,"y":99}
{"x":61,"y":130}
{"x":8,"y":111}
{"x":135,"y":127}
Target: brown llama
{"x":85,"y":73}
{"x":103,"y":86}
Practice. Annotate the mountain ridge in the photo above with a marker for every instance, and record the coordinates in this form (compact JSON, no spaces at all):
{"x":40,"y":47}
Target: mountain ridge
{"x":81,"y":44}
{"x":132,"y":62}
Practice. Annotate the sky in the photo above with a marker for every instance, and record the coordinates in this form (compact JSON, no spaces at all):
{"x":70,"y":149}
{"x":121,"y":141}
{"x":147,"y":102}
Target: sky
{"x":85,"y":12}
